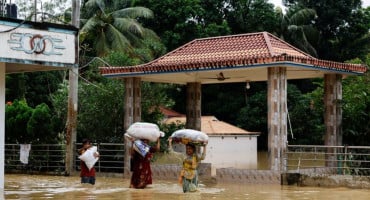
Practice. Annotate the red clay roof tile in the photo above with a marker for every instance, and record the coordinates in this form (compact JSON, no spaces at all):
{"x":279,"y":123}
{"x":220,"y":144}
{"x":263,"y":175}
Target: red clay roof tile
{"x":232,"y":51}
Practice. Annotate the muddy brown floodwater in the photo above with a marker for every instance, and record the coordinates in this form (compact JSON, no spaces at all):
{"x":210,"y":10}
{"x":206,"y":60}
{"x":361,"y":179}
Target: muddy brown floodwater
{"x":25,"y":187}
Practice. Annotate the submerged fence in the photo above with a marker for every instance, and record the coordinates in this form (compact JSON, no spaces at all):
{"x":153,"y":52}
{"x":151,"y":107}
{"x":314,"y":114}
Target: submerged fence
{"x":50,"y":158}
{"x":341,"y":160}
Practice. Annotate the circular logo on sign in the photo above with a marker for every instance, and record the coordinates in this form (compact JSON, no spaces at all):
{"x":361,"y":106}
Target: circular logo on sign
{"x":37,"y":44}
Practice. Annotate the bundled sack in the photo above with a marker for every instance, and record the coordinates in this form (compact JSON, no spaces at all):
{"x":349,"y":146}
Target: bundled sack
{"x":141,"y":147}
{"x":144,"y":130}
{"x":89,"y":158}
{"x":186,"y":136}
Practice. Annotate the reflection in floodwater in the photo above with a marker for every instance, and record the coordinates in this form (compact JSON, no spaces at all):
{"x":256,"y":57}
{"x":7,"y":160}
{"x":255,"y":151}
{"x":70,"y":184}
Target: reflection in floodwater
{"x":26,"y":187}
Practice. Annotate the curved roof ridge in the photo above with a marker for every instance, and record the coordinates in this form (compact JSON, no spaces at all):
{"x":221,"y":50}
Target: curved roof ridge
{"x":227,"y":36}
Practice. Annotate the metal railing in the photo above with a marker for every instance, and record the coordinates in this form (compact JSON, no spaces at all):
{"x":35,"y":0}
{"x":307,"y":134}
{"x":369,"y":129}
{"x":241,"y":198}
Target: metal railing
{"x":344,"y":160}
{"x":42,"y":158}
{"x":50,"y":158}
{"x":111,"y":157}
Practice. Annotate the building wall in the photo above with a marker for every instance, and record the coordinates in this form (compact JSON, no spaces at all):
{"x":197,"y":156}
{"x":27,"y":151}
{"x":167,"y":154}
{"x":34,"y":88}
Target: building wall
{"x":232,"y":152}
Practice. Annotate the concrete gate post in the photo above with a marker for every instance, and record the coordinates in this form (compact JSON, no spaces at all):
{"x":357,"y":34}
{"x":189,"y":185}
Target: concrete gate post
{"x":333,"y":115}
{"x":132,"y":110}
{"x":193,"y":105}
{"x":277,"y":117}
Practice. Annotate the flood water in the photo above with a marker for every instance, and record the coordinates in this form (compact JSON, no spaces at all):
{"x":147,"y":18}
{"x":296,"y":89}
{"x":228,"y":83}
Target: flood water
{"x":27,"y":187}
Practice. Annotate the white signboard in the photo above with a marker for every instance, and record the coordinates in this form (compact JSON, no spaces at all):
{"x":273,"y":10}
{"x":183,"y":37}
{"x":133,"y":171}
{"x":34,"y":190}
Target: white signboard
{"x":22,"y":43}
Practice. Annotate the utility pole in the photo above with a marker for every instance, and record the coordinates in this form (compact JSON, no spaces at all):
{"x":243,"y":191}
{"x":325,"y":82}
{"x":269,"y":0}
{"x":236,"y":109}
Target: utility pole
{"x":71,"y":129}
{"x":35,"y":10}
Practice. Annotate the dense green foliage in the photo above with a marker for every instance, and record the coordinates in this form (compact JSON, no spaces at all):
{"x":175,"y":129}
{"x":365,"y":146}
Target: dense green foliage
{"x":356,"y":109}
{"x":297,"y":29}
{"x":110,"y":27}
{"x":179,"y":21}
{"x":343,"y":27}
{"x":34,"y":87}
{"x":30,"y":125}
{"x":245,"y":16}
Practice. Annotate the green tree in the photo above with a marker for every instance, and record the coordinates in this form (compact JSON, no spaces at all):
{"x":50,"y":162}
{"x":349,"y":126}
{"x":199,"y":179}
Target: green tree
{"x":356,"y":108}
{"x":246,"y":16}
{"x":34,"y":87}
{"x":100,"y":114}
{"x":40,"y":127}
{"x":343,"y":26}
{"x":25,"y":124}
{"x":308,"y":113}
{"x":214,"y":97}
{"x":17,"y":115}
{"x":253,"y":116}
{"x":305,"y":118}
{"x":354,"y":40}
{"x":180,"y":21}
{"x":296,"y":28}
{"x":108,"y":28}
{"x":101,"y":111}
{"x":305,"y":112}
{"x":172,"y":20}
{"x":15,"y":86}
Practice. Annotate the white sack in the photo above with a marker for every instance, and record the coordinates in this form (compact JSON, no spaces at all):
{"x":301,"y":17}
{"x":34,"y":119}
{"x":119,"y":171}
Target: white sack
{"x":144,"y":130}
{"x":89,"y":158}
{"x":193,"y":135}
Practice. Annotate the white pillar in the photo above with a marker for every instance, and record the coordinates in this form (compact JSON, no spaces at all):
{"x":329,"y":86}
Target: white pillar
{"x":2,"y":125}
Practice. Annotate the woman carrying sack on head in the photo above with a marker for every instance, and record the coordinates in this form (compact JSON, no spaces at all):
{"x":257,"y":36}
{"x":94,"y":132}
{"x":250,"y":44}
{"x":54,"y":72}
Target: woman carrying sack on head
{"x":189,"y":172}
{"x":140,"y":164}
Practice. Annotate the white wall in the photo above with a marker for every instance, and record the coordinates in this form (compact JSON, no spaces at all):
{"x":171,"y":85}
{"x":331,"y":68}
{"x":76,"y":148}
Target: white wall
{"x":232,"y":152}
{"x":229,"y":151}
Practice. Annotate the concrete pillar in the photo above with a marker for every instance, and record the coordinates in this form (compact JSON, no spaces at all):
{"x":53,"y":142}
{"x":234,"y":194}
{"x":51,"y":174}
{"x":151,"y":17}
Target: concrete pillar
{"x":193,"y":105}
{"x":132,"y":111}
{"x":137,"y":99}
{"x":71,"y":129}
{"x":2,"y":126}
{"x":277,"y":117}
{"x":333,"y":115}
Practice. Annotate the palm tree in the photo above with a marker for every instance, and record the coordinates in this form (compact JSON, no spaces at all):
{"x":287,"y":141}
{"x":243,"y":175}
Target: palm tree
{"x":297,"y":29}
{"x":107,"y":29}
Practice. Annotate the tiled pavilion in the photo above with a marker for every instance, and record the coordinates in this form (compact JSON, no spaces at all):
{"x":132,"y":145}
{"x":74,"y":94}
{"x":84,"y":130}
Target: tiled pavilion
{"x":240,"y":58}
